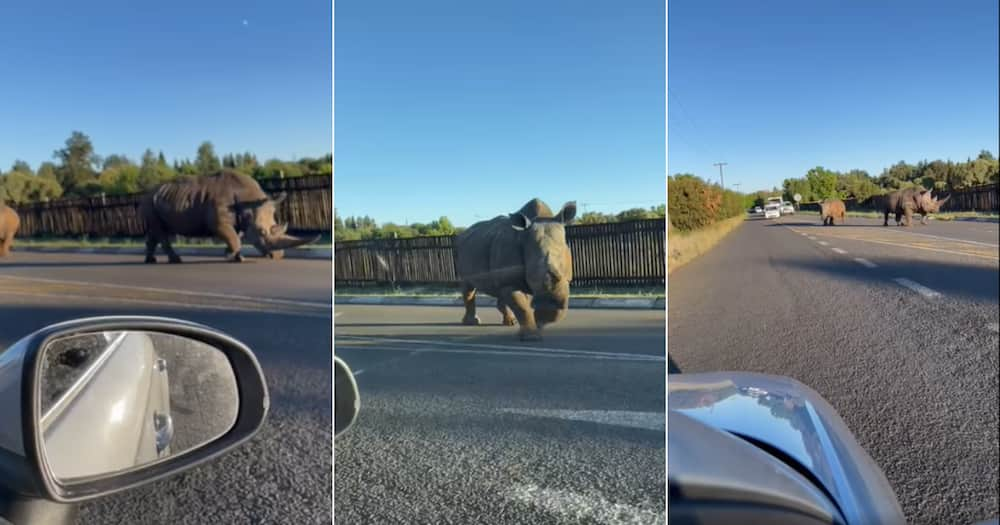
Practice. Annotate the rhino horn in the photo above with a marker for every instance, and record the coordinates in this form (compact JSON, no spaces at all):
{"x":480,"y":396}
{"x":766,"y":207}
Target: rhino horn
{"x":279,"y":229}
{"x":285,"y":242}
{"x":279,"y":198}
{"x":942,"y":201}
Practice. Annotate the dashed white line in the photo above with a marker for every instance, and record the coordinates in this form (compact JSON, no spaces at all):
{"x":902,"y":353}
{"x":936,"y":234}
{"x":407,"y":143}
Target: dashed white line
{"x":838,"y":250}
{"x":865,"y":262}
{"x":824,"y":243}
{"x":916,"y":287}
{"x":811,"y":238}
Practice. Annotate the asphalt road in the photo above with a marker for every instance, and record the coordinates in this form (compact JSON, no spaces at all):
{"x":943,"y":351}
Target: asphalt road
{"x":465,"y":424}
{"x":280,"y":309}
{"x":896,"y":327}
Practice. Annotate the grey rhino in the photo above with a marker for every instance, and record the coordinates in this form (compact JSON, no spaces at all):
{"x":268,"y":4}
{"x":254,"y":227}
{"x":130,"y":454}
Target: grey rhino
{"x":221,"y":205}
{"x":523,"y":260}
{"x":831,"y":209}
{"x":9,"y":222}
{"x":908,"y":201}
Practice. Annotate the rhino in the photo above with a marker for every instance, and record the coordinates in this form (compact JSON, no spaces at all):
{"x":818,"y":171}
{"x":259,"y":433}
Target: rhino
{"x":831,"y":209}
{"x":223,"y":205}
{"x":908,"y":201}
{"x":523,"y":260}
{"x":9,"y":222}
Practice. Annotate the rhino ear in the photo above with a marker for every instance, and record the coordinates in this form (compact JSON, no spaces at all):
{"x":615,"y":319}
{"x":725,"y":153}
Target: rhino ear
{"x":567,"y":213}
{"x":519,"y":222}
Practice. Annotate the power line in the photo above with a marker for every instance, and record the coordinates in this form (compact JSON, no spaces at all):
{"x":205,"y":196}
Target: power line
{"x":722,"y":181}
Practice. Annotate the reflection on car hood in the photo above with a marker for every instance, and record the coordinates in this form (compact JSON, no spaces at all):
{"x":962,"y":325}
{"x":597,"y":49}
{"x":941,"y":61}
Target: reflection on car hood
{"x":792,"y":418}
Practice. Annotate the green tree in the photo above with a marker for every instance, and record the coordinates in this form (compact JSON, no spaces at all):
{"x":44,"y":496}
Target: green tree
{"x":207,"y":162}
{"x":77,"y":162}
{"x":822,"y":182}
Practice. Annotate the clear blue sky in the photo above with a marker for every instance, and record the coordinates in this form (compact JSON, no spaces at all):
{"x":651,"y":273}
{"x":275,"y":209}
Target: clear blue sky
{"x":775,"y":88}
{"x":470,"y":109}
{"x":248,"y":76}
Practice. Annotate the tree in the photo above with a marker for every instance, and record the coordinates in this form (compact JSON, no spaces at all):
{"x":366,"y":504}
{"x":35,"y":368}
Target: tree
{"x":207,"y":162}
{"x":77,"y":163}
{"x":791,"y":187}
{"x":822,"y":182}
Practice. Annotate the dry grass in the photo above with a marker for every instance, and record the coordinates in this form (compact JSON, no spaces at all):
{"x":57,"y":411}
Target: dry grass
{"x":684,"y":247}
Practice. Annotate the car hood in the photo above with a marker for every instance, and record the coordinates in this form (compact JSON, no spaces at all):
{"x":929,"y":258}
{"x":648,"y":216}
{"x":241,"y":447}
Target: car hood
{"x":781,"y":414}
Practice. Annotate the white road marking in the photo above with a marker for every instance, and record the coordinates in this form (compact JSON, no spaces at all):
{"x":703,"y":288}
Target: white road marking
{"x":838,"y":250}
{"x":952,"y":239}
{"x":338,"y":314}
{"x":168,"y":303}
{"x":824,"y":243}
{"x":359,"y":372}
{"x":511,"y":349}
{"x":177,"y":292}
{"x":811,"y":238}
{"x":623,"y":418}
{"x":513,"y":353}
{"x":575,"y":507}
{"x":865,"y":262}
{"x":916,"y":287}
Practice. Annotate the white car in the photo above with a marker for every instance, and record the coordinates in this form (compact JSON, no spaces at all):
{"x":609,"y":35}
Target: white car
{"x":772,"y":211}
{"x":787,"y":209}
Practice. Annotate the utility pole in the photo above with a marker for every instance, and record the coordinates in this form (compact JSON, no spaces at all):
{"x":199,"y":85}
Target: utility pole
{"x":722,"y":181}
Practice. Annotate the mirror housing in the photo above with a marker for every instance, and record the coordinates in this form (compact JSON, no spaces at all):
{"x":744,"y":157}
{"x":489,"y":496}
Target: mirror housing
{"x":23,"y":466}
{"x":347,"y":399}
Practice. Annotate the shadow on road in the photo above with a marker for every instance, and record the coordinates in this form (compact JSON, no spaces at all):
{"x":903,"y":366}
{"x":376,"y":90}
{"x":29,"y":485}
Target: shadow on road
{"x":370,"y":325}
{"x":672,"y":367}
{"x":974,"y":282}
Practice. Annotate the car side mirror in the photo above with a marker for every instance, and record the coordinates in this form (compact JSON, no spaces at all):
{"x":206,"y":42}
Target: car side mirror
{"x":347,"y":399}
{"x":105,"y":404}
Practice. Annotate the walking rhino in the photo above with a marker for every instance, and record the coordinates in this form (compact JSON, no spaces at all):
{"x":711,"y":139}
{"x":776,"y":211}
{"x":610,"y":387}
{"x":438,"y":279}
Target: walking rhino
{"x":223,"y":205}
{"x":908,"y":201}
{"x":831,"y":209}
{"x":523,"y":260}
{"x":9,"y":222}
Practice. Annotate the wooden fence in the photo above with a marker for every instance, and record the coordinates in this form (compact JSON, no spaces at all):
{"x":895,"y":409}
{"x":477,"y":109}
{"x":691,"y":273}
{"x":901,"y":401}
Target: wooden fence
{"x":984,"y":198}
{"x":307,"y":209}
{"x":617,"y":254}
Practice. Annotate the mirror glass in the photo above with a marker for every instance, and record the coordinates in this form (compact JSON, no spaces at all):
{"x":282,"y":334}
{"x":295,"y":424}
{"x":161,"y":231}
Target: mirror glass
{"x":114,"y":401}
{"x":346,"y":397}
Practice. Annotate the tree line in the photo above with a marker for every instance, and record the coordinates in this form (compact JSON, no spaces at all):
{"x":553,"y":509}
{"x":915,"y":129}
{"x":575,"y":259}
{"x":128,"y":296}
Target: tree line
{"x":77,"y":171}
{"x":939,"y":175}
{"x":364,"y":228}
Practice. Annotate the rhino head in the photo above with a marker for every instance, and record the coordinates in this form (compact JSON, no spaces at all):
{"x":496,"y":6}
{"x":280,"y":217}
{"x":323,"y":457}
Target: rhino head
{"x":548,"y":264}
{"x":260,"y":229}
{"x":929,"y":203}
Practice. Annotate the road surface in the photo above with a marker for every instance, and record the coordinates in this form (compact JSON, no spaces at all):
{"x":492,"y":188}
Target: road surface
{"x":280,"y":309}
{"x":465,"y":424}
{"x":896,"y":327}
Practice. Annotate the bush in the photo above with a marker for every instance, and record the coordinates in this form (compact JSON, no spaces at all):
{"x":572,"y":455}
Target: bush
{"x":693,"y":203}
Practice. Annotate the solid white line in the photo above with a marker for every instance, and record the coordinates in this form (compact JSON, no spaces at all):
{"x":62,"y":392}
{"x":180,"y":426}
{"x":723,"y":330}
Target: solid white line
{"x":502,"y":347}
{"x":168,"y":303}
{"x":838,"y":250}
{"x":916,"y":287}
{"x":515,"y":353}
{"x":865,"y":262}
{"x":575,"y":507}
{"x":623,"y":418}
{"x":946,"y":238}
{"x":178,"y":292}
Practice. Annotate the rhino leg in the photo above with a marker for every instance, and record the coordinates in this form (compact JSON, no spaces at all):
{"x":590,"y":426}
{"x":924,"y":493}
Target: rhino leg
{"x":232,"y":239}
{"x":923,"y":219}
{"x":886,"y":223}
{"x":521,"y":305}
{"x":909,"y":217}
{"x":469,"y":298}
{"x":151,"y":243}
{"x":508,"y":316}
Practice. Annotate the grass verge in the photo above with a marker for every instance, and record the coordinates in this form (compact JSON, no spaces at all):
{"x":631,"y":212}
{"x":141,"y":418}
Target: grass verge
{"x":686,"y":246}
{"x":452,"y":291}
{"x":946,"y":216}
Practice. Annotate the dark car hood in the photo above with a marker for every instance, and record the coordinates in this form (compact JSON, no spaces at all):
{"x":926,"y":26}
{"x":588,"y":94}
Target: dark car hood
{"x":787,"y":416}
